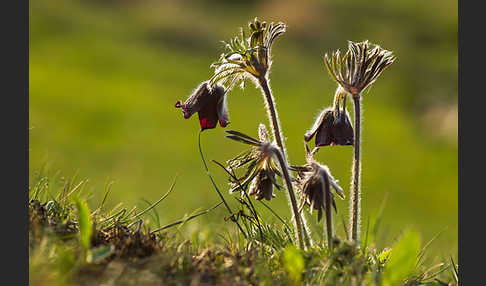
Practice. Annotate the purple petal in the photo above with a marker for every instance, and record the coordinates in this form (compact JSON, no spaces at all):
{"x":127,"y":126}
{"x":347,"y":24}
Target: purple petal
{"x":317,"y":124}
{"x":196,"y":101}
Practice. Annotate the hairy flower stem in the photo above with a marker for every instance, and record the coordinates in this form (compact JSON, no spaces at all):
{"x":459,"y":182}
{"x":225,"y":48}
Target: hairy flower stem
{"x":305,"y":226}
{"x":295,"y":210}
{"x":216,"y":187}
{"x":355,"y":202}
{"x":277,"y":134}
{"x":328,"y":210}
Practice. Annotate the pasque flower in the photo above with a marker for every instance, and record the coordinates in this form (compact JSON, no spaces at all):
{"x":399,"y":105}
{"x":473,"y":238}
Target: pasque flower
{"x":261,"y":170}
{"x":331,"y":129}
{"x":355,"y":71}
{"x":313,"y":180}
{"x":250,"y":57}
{"x":209,"y":103}
{"x":332,"y":126}
{"x":359,"y":67}
{"x":247,"y":56}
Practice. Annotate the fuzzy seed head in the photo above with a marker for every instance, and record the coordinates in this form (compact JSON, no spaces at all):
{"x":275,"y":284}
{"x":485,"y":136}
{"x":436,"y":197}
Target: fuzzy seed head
{"x":247,"y":56}
{"x":359,"y":67}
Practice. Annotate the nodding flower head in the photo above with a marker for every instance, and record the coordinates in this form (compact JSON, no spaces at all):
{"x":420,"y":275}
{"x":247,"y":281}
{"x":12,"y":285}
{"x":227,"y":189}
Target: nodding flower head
{"x":247,"y":56}
{"x":359,"y":67}
{"x":333,"y":126}
{"x":313,"y":180}
{"x":260,"y":165}
{"x":209,"y":103}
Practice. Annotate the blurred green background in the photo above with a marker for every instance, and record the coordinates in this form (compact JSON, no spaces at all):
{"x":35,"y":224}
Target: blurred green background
{"x":104,"y":77}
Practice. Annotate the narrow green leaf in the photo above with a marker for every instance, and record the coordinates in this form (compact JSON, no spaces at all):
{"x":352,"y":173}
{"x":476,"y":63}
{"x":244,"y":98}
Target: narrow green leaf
{"x":85,"y":223}
{"x":401,"y":262}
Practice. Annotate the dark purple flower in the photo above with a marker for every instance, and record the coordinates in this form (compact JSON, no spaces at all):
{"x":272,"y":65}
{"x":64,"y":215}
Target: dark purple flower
{"x":331,"y":128}
{"x":209,"y":103}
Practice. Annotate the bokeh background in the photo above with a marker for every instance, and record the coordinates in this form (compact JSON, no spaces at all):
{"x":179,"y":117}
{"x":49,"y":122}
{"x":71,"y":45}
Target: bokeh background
{"x":104,"y":77}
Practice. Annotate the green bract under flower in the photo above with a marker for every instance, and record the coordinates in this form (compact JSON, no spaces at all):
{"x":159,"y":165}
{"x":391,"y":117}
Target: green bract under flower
{"x":247,"y":55}
{"x":359,"y":67}
{"x":261,"y":170}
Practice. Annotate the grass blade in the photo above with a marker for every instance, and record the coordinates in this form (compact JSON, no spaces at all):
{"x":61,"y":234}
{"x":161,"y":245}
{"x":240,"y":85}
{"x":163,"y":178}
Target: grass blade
{"x":157,"y":202}
{"x":186,"y":219}
{"x":85,"y":224}
{"x":216,"y":187}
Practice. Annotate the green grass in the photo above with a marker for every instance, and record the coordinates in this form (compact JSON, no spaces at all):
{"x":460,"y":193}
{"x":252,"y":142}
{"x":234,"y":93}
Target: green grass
{"x":69,"y":244}
{"x":103,"y":80}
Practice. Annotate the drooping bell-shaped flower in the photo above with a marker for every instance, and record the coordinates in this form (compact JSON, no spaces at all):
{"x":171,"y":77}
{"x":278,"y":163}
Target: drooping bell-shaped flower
{"x":209,"y":103}
{"x":260,"y":176}
{"x":313,"y":180}
{"x":331,"y":128}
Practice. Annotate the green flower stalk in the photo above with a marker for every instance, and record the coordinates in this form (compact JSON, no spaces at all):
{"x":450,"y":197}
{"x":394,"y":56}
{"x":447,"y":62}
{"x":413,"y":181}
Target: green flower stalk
{"x":249,"y":57}
{"x":355,"y":71}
